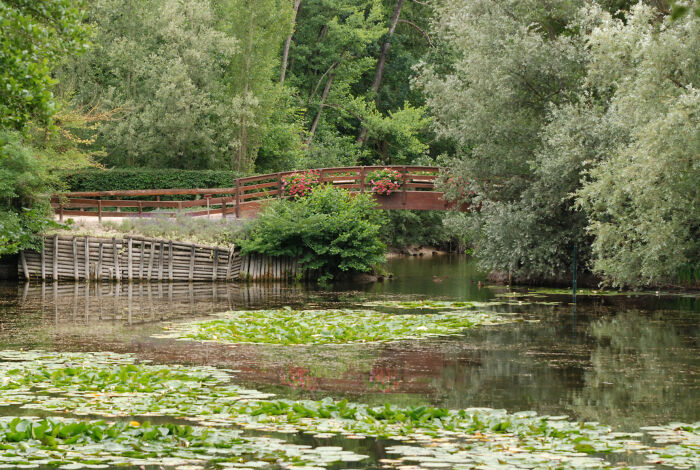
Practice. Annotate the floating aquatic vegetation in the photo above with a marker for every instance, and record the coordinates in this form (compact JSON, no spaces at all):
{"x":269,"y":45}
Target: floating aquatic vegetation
{"x":543,"y":292}
{"x":113,"y":384}
{"x":430,"y":304}
{"x":30,"y":442}
{"x":681,"y":443}
{"x":429,"y":437}
{"x":288,"y":327}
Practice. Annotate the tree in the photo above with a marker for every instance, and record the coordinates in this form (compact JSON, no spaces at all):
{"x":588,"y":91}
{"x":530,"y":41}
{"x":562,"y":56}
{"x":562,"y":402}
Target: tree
{"x":36,"y":35}
{"x":510,"y":63}
{"x":25,"y":183}
{"x":161,"y":68}
{"x":562,"y":107}
{"x":643,"y":201}
{"x":259,"y":28}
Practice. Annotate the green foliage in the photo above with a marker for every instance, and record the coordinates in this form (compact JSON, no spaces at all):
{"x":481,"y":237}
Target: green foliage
{"x":563,"y":107}
{"x":51,"y":432}
{"x":281,"y":144}
{"x":198,"y":84}
{"x":36,"y":35}
{"x":287,"y":326}
{"x":330,"y":149}
{"x":643,"y":202}
{"x":161,"y":67}
{"x":25,"y":185}
{"x":405,"y":228}
{"x":329,"y":232}
{"x":512,"y":63}
{"x":480,"y":436}
{"x":144,"y":178}
{"x":252,"y":77}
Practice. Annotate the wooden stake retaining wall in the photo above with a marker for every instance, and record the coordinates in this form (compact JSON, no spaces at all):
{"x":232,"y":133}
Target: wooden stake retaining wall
{"x":268,"y":268}
{"x":146,"y":259}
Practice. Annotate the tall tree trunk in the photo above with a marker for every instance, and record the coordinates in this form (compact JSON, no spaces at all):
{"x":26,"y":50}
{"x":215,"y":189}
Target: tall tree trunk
{"x":288,"y":42}
{"x":243,"y":145}
{"x":379,"y":72}
{"x":317,"y":118}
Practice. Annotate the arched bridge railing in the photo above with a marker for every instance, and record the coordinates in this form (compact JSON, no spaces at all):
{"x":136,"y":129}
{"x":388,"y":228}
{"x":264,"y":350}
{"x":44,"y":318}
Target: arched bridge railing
{"x":247,"y":195}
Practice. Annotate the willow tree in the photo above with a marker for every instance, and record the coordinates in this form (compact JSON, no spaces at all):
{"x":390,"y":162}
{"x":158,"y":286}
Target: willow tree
{"x":578,"y":125}
{"x":643,"y":201}
{"x":507,"y":65}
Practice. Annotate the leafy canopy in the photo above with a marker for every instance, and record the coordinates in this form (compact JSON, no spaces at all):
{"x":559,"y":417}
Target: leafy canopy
{"x":36,"y":35}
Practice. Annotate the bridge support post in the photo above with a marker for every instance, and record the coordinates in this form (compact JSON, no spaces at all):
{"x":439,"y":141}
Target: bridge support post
{"x":238,"y":198}
{"x":403,"y":186}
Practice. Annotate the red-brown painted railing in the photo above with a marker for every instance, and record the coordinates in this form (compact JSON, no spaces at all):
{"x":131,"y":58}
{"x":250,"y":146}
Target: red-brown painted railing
{"x":247,"y":194}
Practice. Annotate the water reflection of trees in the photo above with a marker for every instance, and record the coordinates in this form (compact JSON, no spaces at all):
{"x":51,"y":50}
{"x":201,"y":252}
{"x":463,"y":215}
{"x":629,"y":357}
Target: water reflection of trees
{"x":641,"y":365}
{"x":619,"y":366}
{"x":517,"y":367}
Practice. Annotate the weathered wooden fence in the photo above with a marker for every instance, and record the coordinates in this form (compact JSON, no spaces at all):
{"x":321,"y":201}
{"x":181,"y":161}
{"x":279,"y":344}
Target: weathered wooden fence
{"x":147,"y":259}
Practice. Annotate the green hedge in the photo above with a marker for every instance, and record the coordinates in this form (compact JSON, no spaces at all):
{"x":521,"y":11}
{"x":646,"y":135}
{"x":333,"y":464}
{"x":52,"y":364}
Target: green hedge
{"x":146,"y":178}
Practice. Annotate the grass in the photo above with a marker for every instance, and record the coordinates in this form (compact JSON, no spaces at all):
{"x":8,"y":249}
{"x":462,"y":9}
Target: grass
{"x":200,"y":230}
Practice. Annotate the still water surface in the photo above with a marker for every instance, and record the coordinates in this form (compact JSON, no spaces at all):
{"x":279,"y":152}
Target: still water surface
{"x":624,"y":360}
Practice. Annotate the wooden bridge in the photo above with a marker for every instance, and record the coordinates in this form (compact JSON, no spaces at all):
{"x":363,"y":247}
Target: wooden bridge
{"x":248,"y":195}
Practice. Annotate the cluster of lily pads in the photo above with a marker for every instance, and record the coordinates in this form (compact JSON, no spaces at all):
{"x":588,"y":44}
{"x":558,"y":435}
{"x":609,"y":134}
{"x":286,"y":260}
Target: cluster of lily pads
{"x":29,"y":442}
{"x":116,"y":387}
{"x":289,"y":327}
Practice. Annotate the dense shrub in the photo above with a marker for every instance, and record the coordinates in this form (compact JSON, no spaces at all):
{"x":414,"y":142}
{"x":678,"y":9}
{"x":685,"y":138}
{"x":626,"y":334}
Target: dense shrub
{"x":330,"y":231}
{"x":143,"y":178}
{"x":24,"y":186}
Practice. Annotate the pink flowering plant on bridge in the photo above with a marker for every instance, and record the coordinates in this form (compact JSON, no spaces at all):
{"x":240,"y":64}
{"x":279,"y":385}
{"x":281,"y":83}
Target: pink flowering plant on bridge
{"x":300,"y":184}
{"x":384,"y":181}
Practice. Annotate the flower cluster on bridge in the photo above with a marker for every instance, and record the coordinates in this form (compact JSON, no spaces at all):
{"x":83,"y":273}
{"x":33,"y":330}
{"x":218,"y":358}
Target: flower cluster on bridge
{"x":384,"y":181}
{"x":299,"y":185}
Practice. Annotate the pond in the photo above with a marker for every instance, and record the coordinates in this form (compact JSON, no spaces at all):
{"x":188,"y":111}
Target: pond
{"x":626,"y":361}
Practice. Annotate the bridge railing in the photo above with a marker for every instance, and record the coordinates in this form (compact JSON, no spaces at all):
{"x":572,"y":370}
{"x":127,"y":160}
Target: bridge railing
{"x":245,"y":195}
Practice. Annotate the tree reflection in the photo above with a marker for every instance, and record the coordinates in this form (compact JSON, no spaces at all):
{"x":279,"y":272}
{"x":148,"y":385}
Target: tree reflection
{"x":641,"y":365}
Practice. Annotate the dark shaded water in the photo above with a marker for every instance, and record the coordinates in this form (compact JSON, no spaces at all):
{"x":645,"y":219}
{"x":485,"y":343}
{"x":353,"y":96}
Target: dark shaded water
{"x":628,"y":361}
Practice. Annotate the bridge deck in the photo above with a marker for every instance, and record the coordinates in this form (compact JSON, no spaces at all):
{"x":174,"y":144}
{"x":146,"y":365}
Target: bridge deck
{"x":247,"y":195}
